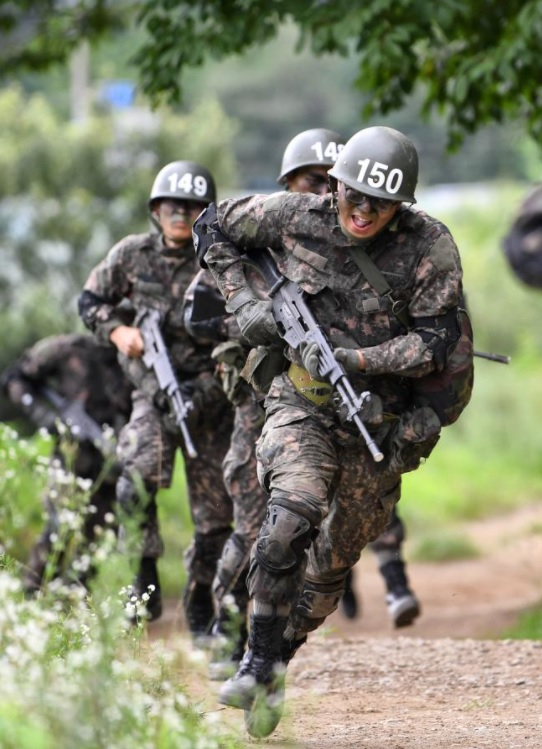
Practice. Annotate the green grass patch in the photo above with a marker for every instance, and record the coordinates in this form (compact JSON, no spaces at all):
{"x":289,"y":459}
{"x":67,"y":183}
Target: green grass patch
{"x":528,"y":627}
{"x":443,"y":547}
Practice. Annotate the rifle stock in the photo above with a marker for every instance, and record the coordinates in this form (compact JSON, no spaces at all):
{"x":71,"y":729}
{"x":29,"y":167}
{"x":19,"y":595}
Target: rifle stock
{"x":156,"y":357}
{"x":296,"y":325}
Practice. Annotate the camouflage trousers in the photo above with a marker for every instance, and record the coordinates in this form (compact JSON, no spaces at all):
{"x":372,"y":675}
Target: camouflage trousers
{"x":248,"y":497}
{"x":146,"y":450}
{"x":342,"y":500}
{"x":393,"y":536}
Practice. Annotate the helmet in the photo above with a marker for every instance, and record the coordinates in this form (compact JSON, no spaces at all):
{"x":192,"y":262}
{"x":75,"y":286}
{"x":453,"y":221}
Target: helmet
{"x":317,"y":147}
{"x":379,"y":161}
{"x":184,"y":180}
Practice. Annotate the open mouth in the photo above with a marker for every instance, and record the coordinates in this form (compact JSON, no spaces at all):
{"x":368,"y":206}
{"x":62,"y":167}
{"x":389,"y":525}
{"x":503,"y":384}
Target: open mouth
{"x":361,"y":223}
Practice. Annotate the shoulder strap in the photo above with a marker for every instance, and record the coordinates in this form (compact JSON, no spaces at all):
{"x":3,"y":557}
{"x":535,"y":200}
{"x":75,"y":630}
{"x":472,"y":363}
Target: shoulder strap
{"x":374,"y":276}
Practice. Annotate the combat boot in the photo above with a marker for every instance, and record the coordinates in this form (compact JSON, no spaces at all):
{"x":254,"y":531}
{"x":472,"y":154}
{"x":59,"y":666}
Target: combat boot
{"x":147,"y":583}
{"x":262,"y":668}
{"x":199,"y":610}
{"x":403,"y":606}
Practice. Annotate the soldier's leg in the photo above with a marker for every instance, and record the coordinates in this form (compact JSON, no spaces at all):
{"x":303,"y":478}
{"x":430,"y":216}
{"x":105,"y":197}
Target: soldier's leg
{"x":249,"y":507}
{"x":146,"y":452}
{"x":211,"y":511}
{"x":403,"y":606}
{"x":297,"y":464}
{"x":359,"y":510}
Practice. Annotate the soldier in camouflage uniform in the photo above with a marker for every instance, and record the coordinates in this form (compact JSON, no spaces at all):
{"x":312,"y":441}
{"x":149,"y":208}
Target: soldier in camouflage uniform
{"x":305,"y":165}
{"x":46,"y":382}
{"x":328,"y":496}
{"x":153,"y":271}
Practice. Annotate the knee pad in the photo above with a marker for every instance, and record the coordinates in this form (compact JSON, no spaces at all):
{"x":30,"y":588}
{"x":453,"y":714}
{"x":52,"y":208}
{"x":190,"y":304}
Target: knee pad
{"x":203,"y":554}
{"x":315,"y":604}
{"x":283,"y":540}
{"x":232,"y":567}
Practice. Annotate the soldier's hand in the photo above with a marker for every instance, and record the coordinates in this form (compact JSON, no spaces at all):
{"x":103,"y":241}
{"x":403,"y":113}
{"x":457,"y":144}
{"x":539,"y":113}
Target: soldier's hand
{"x":128,"y":340}
{"x":350,"y":358}
{"x":256,"y":322}
{"x":310,"y":354}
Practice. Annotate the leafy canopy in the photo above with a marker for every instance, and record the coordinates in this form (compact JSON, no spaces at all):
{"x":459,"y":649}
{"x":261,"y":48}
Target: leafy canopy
{"x":479,"y":63}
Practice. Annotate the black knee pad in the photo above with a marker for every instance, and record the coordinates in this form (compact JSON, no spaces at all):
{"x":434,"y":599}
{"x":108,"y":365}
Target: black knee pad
{"x":283,"y":540}
{"x":208,"y":546}
{"x":315,"y":604}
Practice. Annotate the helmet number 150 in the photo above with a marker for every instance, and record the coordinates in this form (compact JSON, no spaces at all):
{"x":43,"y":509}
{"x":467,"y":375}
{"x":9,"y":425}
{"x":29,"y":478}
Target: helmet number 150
{"x":377,"y":176}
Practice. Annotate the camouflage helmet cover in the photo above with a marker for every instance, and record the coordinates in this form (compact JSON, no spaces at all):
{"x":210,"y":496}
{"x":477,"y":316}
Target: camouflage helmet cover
{"x":316,"y":147}
{"x":379,"y":161}
{"x":184,"y":180}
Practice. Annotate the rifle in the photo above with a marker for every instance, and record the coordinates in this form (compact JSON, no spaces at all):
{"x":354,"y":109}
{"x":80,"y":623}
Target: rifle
{"x":493,"y":357}
{"x":296,"y":325}
{"x":81,"y":425}
{"x":155,"y":357}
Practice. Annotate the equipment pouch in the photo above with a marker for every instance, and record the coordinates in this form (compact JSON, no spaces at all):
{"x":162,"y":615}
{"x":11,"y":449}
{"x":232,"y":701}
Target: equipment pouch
{"x":411,"y":440}
{"x":263,"y":364}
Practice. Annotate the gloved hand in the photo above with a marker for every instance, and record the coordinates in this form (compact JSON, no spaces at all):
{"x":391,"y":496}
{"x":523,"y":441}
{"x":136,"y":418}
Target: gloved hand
{"x":349,"y":358}
{"x":254,"y":317}
{"x":310,"y":354}
{"x":371,"y":412}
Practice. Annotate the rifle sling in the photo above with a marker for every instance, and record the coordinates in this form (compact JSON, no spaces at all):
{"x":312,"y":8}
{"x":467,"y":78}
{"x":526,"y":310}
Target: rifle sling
{"x":375,"y":277}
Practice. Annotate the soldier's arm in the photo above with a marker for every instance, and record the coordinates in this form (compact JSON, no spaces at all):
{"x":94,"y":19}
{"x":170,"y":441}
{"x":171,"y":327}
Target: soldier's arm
{"x":432,"y":310}
{"x":246,"y":223}
{"x":106,"y":287}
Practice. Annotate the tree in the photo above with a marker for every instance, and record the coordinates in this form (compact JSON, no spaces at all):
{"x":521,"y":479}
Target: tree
{"x":477,"y":63}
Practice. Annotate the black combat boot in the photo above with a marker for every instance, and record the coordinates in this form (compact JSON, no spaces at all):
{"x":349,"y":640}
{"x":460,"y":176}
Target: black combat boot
{"x":199,"y":610}
{"x":229,"y":639}
{"x":403,"y":606}
{"x":262,"y":667}
{"x":147,"y":583}
{"x":349,"y":601}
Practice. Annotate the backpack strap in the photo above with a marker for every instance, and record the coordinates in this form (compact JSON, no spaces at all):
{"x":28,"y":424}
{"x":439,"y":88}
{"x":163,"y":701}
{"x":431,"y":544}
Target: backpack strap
{"x":375,"y":277}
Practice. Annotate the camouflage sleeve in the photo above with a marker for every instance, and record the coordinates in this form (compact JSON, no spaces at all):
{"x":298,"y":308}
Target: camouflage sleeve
{"x":106,"y":287}
{"x":432,"y":309}
{"x":250,"y":223}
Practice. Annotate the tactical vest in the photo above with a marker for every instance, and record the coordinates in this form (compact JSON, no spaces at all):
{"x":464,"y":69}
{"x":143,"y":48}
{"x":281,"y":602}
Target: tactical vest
{"x":447,"y":390}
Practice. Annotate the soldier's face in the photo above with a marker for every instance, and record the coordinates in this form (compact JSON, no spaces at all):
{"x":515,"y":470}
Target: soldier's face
{"x":308,"y":179}
{"x":176,"y":217}
{"x":363,"y":216}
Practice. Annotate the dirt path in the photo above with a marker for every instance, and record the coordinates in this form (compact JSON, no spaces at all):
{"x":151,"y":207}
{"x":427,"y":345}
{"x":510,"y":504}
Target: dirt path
{"x":440,"y":684}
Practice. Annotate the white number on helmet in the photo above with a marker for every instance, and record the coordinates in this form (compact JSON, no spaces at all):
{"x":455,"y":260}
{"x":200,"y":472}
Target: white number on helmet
{"x":331,"y":151}
{"x":376,"y":176}
{"x":188,"y":183}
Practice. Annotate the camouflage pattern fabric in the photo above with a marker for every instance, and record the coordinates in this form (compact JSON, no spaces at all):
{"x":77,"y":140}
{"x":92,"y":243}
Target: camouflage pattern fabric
{"x":239,"y":465}
{"x":141,"y":269}
{"x":306,"y":459}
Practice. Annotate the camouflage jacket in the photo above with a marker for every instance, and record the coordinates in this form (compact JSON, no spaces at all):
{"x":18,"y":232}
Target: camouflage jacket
{"x":415,"y":253}
{"x":75,"y":367}
{"x":142,"y":272}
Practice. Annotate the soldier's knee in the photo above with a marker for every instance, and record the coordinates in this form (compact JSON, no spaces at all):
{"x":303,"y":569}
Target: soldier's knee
{"x":203,"y":555}
{"x":283,"y":540}
{"x":315,"y":604}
